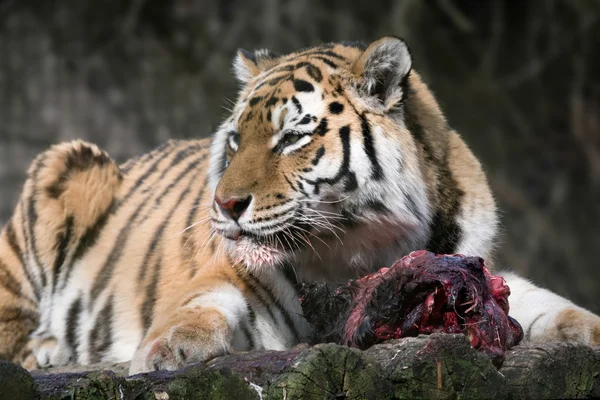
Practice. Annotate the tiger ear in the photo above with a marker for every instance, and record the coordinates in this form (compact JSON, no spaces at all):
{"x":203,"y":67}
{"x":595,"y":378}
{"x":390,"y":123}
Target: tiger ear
{"x":384,"y":67}
{"x":248,"y":64}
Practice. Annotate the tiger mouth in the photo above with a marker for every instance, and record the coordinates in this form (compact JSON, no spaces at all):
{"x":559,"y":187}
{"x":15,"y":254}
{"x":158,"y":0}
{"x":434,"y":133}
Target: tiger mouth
{"x":291,"y":238}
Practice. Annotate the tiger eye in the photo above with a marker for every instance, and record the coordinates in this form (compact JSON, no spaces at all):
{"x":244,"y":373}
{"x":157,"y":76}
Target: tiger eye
{"x":290,"y":138}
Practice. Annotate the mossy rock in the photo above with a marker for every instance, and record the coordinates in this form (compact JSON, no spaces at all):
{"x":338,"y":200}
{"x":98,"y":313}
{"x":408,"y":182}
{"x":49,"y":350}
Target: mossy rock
{"x":439,"y":366}
{"x":330,"y":371}
{"x":16,"y":383}
{"x":559,"y":370}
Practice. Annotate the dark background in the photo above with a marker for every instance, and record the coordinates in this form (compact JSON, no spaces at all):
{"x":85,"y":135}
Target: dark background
{"x":520,"y":80}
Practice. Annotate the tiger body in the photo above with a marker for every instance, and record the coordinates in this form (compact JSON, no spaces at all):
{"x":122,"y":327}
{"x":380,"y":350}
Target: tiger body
{"x":334,"y":162}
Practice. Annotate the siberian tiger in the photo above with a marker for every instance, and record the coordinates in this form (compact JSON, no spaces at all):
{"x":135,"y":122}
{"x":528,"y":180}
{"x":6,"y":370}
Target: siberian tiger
{"x":336,"y":160}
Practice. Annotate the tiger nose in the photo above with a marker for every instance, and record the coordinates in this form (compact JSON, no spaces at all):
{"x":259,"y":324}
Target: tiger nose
{"x":233,"y":208}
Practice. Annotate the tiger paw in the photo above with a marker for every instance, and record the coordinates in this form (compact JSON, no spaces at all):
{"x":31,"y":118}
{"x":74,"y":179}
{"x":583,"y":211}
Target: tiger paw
{"x":47,"y":352}
{"x":199,"y":336}
{"x":578,"y":326}
{"x":571,"y":325}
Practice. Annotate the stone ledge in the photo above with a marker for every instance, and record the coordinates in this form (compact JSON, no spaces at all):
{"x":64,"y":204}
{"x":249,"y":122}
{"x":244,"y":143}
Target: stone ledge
{"x":438,"y":366}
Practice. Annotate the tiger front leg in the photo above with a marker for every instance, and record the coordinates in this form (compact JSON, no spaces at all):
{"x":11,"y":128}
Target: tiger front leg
{"x":205,"y":325}
{"x":548,"y":317}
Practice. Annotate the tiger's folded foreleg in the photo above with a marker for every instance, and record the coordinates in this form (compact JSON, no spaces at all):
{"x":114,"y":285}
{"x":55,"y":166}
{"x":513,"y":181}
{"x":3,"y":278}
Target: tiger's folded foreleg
{"x":548,"y":317}
{"x":202,"y":325}
{"x":224,"y":309}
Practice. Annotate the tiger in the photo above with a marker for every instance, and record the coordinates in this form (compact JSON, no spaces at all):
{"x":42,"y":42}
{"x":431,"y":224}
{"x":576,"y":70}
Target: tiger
{"x":334,"y":161}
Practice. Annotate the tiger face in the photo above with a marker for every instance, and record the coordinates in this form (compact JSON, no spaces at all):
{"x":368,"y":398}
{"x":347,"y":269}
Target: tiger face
{"x":315,"y":149}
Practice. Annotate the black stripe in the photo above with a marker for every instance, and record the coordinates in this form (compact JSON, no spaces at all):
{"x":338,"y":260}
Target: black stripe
{"x":105,"y":273}
{"x":126,"y":167}
{"x":87,"y":241}
{"x":286,"y":316}
{"x":12,"y":314}
{"x":101,"y":337}
{"x":301,"y":187}
{"x":13,"y":243}
{"x":174,"y":182}
{"x":252,"y":323}
{"x":320,"y":153}
{"x":412,"y":205}
{"x":11,"y":236}
{"x":345,"y":167}
{"x":243,"y":275}
{"x":312,"y":70}
{"x":327,"y":61}
{"x":315,"y":52}
{"x":32,"y":217}
{"x":8,"y":280}
{"x":351,"y":183}
{"x":248,"y":335}
{"x":305,"y":120}
{"x":254,"y":101}
{"x":349,"y":220}
{"x":159,"y":231}
{"x":271,"y":102}
{"x":151,"y":169}
{"x":377,"y":172}
{"x":445,"y":232}
{"x":72,"y":323}
{"x":179,"y":158}
{"x":147,"y":309}
{"x":191,"y":219}
{"x":283,"y":68}
{"x":328,"y":53}
{"x":322,"y":128}
{"x":290,"y":274}
{"x":63,"y":240}
{"x":528,"y":333}
{"x":301,"y":85}
{"x":290,"y":183}
{"x":297,"y":104}
{"x":81,"y":159}
{"x":377,"y":206}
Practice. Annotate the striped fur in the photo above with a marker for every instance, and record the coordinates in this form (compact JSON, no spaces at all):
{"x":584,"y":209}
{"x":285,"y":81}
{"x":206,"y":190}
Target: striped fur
{"x":338,"y":161}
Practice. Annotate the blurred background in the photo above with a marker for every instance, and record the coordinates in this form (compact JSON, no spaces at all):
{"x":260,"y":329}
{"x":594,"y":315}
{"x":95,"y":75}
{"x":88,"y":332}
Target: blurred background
{"x":520,"y":80}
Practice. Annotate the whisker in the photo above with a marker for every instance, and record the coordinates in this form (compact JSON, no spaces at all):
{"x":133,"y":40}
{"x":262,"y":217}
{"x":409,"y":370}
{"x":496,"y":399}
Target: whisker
{"x":200,"y":221}
{"x":323,"y":201}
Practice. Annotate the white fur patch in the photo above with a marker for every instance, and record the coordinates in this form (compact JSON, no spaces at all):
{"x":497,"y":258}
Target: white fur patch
{"x":241,"y":69}
{"x":535,"y":308}
{"x":228,"y":299}
{"x":257,"y":255}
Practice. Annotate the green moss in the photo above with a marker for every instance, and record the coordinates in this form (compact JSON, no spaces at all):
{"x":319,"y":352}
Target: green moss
{"x":331,"y":371}
{"x":200,"y":384}
{"x":441,"y":367}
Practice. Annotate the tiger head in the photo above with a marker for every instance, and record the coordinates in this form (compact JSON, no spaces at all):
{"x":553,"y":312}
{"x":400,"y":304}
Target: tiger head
{"x":318,"y":151}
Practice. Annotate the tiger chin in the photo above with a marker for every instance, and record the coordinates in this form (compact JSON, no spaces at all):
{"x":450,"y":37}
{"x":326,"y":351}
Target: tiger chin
{"x":336,"y":160}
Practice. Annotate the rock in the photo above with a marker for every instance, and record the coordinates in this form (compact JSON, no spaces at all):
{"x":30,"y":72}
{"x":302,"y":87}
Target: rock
{"x":194,"y":382}
{"x":558,"y":370}
{"x":322,"y":371}
{"x":16,"y":383}
{"x":438,"y":366}
{"x":119,"y":369}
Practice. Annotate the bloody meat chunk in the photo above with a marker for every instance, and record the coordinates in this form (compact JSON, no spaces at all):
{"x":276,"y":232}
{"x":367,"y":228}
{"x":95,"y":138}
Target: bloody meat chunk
{"x":420,"y":294}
